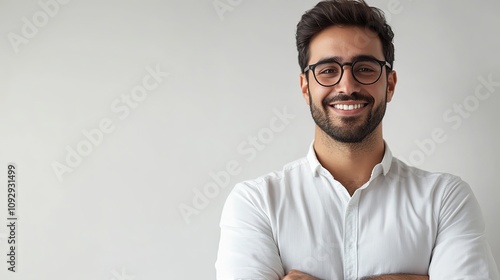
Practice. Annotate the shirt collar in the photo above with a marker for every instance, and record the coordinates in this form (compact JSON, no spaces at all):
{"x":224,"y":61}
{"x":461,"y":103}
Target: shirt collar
{"x":387,"y":160}
{"x":313,"y":160}
{"x":383,"y":167}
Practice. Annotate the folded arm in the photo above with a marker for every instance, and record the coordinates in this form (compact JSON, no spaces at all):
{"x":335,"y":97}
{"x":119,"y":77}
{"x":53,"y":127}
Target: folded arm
{"x":298,"y":275}
{"x":397,"y":277}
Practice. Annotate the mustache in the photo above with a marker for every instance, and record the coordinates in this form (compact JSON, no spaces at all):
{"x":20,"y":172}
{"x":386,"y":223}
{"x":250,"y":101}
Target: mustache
{"x":355,"y":96}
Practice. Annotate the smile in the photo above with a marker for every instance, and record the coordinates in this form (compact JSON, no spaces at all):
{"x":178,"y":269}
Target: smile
{"x":349,"y":107}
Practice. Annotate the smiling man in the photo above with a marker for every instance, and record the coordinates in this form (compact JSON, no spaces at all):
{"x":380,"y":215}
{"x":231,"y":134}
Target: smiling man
{"x":349,"y":209}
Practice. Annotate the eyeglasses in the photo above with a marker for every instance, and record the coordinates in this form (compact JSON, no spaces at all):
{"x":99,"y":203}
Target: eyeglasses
{"x":365,"y":71}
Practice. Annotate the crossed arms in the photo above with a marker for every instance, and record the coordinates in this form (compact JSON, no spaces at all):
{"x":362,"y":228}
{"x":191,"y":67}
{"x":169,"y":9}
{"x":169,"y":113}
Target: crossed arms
{"x":298,"y":275}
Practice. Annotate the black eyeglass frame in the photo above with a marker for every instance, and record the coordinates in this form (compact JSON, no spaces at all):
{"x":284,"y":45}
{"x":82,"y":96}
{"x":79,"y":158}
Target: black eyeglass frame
{"x":381,"y":62}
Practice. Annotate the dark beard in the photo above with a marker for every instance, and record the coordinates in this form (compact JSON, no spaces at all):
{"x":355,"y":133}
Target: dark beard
{"x":347,"y":133}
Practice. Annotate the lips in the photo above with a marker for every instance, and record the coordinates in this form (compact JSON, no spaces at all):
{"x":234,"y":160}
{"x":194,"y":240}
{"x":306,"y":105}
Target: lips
{"x":348,"y":104}
{"x":348,"y":107}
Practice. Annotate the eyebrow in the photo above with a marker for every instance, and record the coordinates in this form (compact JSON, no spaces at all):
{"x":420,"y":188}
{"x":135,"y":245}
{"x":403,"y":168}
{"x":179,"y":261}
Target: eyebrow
{"x":339,"y":59}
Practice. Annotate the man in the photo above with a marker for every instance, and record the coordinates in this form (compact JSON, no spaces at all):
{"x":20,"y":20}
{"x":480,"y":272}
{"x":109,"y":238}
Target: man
{"x":349,"y":210}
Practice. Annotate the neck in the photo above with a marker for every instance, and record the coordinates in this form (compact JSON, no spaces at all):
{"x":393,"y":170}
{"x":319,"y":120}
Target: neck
{"x":350,"y":163}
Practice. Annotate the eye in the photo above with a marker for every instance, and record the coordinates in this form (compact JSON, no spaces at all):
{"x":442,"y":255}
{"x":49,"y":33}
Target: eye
{"x":328,"y":69}
{"x":366,"y":67}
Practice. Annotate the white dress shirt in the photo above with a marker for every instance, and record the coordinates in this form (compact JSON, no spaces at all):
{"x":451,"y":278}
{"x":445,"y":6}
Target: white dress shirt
{"x":403,"y":220}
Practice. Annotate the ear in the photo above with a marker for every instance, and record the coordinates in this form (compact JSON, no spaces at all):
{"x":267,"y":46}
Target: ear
{"x":304,"y":86}
{"x":392,"y":79}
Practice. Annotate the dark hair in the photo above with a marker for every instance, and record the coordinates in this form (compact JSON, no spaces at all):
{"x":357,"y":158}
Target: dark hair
{"x":342,"y":12}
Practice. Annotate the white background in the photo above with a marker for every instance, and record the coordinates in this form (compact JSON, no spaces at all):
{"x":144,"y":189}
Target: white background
{"x":116,"y":214}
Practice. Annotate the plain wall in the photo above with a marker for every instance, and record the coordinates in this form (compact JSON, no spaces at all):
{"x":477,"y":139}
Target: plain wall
{"x":114,"y":213}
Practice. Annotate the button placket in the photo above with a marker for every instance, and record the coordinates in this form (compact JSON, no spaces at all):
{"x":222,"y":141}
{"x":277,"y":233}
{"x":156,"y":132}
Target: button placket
{"x":351,"y":238}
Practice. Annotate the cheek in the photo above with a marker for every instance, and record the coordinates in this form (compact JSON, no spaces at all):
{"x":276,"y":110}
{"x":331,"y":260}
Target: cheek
{"x":318,"y":93}
{"x":379,"y":92}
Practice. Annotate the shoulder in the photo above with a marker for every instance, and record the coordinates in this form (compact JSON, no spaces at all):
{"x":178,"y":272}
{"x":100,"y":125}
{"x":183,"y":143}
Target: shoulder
{"x":276,"y":181}
{"x":415,"y":176}
{"x":402,"y":169}
{"x":254,"y":199}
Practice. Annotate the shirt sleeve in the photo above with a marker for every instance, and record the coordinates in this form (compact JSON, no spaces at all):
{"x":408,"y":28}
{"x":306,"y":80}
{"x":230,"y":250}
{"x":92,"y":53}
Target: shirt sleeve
{"x":461,"y":250}
{"x":247,"y":249}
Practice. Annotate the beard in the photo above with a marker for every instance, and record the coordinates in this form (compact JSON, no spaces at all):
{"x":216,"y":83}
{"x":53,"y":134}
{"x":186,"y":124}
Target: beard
{"x":350,"y":130}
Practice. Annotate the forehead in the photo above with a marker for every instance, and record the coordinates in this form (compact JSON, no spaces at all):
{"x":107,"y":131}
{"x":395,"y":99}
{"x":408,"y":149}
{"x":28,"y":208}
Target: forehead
{"x":345,"y":42}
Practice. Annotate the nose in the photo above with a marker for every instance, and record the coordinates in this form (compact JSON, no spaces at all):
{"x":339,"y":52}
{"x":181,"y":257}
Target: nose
{"x":347,"y":83}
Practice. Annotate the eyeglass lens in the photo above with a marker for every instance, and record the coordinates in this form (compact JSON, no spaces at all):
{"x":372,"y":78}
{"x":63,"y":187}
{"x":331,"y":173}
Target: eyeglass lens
{"x":364,"y":71}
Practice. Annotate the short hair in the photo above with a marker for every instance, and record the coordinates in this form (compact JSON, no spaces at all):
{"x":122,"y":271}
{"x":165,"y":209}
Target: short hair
{"x":343,"y":13}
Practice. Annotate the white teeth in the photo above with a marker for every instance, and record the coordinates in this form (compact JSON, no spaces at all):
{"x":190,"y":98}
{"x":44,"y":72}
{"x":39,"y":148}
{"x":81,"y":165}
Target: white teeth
{"x":348,"y":107}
